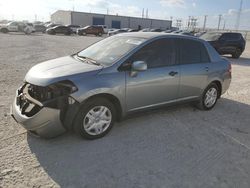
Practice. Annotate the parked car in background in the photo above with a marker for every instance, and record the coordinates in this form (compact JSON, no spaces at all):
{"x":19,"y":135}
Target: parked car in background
{"x":186,"y":33}
{"x":90,"y":90}
{"x":60,"y":29}
{"x":51,"y":25}
{"x":156,"y":30}
{"x":91,"y":29}
{"x":117,"y":31}
{"x":226,"y":42}
{"x":133,"y":30}
{"x":199,"y":34}
{"x":145,"y":30}
{"x":105,"y":28}
{"x":40,"y":28}
{"x":74,"y":27}
{"x":27,"y":28}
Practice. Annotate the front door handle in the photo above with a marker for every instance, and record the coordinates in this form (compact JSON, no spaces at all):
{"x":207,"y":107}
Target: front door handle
{"x":173,"y":73}
{"x":207,"y":69}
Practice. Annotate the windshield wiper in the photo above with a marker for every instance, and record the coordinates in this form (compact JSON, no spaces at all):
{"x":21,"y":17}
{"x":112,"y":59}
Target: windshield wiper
{"x":88,"y":60}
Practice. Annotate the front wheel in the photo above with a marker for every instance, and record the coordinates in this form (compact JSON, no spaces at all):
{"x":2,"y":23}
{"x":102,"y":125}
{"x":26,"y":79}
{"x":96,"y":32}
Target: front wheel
{"x":95,"y":119}
{"x":4,"y":30}
{"x":209,"y":97}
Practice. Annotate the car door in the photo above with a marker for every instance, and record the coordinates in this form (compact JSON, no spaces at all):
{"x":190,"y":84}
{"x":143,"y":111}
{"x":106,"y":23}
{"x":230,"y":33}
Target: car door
{"x":157,"y":85}
{"x":13,"y":26}
{"x":195,"y":67}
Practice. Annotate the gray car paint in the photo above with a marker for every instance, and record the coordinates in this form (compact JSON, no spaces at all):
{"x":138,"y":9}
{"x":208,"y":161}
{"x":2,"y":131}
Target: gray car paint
{"x":150,"y":88}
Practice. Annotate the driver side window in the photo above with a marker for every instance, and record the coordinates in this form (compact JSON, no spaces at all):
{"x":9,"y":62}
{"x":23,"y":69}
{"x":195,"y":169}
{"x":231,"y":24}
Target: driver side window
{"x":158,"y":53}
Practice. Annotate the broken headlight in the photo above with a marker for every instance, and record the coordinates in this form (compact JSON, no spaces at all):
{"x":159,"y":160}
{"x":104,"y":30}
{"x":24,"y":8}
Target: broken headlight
{"x":62,"y":88}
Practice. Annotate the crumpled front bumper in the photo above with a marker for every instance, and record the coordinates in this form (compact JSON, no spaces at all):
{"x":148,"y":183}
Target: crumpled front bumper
{"x":45,"y":123}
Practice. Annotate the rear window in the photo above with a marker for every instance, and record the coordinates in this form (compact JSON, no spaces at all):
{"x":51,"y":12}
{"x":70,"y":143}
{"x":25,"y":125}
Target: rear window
{"x":231,"y":36}
{"x":211,"y":36}
{"x":192,"y":51}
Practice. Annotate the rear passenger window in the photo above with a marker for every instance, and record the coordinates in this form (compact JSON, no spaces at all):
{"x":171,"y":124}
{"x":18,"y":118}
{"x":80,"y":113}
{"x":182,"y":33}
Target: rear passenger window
{"x":192,"y":51}
{"x":157,"y":54}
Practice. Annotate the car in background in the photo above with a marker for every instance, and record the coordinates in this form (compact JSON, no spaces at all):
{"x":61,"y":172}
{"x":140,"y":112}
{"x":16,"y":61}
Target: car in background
{"x":145,"y":30}
{"x":199,"y":34}
{"x":27,"y":28}
{"x":90,"y":90}
{"x":156,"y":30}
{"x":105,"y":28}
{"x":226,"y":42}
{"x":177,"y":31}
{"x":74,"y":27}
{"x":49,"y":25}
{"x":60,"y":29}
{"x":186,"y":33}
{"x":91,"y":29}
{"x":40,"y":28}
{"x":117,"y":31}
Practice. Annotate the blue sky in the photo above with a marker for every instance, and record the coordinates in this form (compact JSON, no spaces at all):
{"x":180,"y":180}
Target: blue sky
{"x":162,"y":9}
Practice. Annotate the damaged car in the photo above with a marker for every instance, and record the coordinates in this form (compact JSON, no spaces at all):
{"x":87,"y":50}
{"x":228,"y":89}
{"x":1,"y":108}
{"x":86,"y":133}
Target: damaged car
{"x":90,"y":90}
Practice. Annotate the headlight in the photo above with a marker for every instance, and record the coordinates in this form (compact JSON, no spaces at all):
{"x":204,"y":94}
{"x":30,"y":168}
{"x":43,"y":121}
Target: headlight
{"x":52,"y":91}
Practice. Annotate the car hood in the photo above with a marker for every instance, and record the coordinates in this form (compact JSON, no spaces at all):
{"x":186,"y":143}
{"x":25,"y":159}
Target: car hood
{"x":59,"y":69}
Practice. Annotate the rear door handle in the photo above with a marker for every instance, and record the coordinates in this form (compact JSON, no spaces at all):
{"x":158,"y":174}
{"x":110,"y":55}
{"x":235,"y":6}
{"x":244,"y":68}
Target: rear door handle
{"x":207,"y":69}
{"x":173,"y":73}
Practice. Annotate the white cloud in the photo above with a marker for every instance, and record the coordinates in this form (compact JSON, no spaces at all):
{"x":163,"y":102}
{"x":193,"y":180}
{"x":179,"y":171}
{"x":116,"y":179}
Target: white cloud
{"x":173,"y":3}
{"x":194,"y":4}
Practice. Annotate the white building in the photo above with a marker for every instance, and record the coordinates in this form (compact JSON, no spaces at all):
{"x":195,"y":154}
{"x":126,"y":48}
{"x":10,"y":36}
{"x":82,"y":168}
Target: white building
{"x":112,"y":21}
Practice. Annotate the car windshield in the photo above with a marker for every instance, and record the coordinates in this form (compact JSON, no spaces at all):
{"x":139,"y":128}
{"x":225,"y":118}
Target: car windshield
{"x":107,"y":51}
{"x":210,"y":36}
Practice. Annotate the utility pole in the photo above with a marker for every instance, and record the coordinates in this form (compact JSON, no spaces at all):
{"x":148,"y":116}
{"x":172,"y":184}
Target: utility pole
{"x":188,"y":24}
{"x":142,"y":13}
{"x":205,"y":22}
{"x":224,"y":26}
{"x":107,"y":11}
{"x":238,"y":16}
{"x":220,"y":16}
{"x":147,"y":13}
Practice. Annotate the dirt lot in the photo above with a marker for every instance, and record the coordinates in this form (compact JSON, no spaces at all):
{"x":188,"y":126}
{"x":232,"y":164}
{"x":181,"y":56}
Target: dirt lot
{"x":172,"y":147}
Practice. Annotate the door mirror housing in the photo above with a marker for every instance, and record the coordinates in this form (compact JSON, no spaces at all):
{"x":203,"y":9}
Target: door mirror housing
{"x":139,"y":66}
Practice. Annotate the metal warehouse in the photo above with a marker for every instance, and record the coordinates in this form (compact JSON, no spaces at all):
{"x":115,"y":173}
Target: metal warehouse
{"x":112,"y":21}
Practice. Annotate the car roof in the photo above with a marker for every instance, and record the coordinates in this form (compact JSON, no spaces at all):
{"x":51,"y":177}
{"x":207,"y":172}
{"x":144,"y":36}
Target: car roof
{"x":151,"y":35}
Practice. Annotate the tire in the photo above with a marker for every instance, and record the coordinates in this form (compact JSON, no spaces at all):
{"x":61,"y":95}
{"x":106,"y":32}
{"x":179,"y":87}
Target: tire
{"x":4,"y":30}
{"x":88,"y":120}
{"x":99,"y":34}
{"x":202,"y":105}
{"x":237,"y":53}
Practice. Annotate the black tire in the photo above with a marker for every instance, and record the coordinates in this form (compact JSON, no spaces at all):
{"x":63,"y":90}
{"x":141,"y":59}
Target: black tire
{"x":4,"y":30}
{"x":201,"y":104}
{"x":99,"y":34}
{"x":237,"y":53}
{"x":95,"y":102}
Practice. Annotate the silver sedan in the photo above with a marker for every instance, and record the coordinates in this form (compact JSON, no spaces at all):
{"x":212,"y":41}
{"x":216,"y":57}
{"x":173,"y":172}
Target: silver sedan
{"x":91,"y":89}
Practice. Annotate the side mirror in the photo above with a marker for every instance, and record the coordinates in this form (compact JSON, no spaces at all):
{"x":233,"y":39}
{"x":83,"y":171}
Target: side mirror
{"x":139,"y":66}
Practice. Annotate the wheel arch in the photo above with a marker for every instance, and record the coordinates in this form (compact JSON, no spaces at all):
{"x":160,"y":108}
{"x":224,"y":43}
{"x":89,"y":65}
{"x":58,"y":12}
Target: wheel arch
{"x":111,"y":98}
{"x":219,"y":85}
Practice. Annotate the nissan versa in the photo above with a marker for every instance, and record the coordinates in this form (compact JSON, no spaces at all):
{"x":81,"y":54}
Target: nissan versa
{"x":90,"y":90}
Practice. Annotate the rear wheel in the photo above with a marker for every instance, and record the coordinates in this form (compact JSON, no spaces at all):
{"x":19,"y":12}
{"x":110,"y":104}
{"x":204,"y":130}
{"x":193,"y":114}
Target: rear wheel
{"x":209,"y":97}
{"x":4,"y":30}
{"x":95,"y":119}
{"x":237,"y":53}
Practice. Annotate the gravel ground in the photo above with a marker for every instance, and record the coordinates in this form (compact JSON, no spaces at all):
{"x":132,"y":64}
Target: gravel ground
{"x":172,"y":147}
